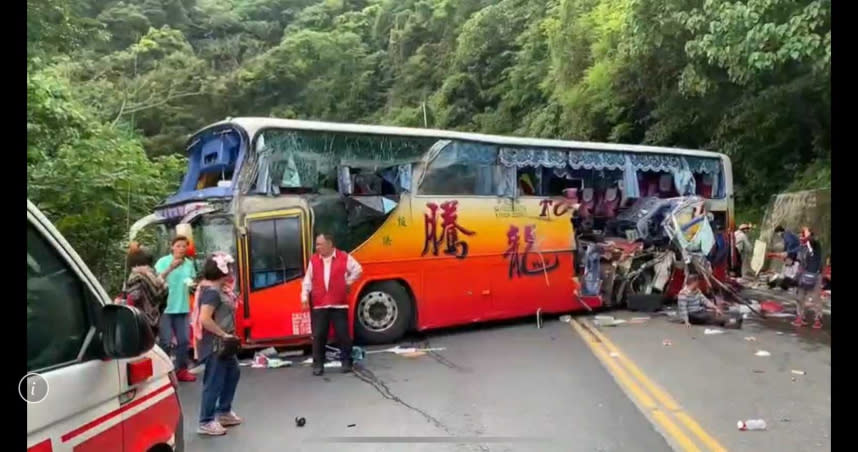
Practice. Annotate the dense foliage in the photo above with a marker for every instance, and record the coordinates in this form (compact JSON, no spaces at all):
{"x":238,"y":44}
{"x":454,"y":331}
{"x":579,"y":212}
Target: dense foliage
{"x":109,"y":79}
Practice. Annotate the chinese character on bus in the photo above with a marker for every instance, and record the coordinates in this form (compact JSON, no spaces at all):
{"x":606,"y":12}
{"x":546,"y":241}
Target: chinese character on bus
{"x":518,"y":262}
{"x":449,"y":233}
{"x":560,"y":206}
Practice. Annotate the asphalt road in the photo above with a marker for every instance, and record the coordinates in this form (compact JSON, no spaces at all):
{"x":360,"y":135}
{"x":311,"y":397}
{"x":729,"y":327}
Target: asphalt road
{"x":510,"y":387}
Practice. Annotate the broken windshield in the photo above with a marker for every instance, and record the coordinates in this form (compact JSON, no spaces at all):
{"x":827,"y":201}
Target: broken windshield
{"x":303,"y":159}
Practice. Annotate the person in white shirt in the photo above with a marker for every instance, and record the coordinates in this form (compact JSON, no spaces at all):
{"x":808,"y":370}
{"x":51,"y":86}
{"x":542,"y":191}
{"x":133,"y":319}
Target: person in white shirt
{"x":325,"y":289}
{"x":788,"y":277}
{"x":743,"y":250}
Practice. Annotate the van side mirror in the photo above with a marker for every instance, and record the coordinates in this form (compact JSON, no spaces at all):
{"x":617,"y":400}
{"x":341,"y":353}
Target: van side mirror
{"x":125,"y":332}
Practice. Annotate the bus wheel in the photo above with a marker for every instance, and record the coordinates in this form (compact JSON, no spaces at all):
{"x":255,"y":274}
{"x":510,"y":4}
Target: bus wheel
{"x":383,"y":313}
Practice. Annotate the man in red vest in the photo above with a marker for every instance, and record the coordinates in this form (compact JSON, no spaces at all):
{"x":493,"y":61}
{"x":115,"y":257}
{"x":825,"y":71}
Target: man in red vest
{"x":326,"y":285}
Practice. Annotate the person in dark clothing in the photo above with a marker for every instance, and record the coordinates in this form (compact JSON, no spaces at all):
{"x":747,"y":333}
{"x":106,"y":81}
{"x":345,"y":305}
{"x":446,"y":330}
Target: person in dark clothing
{"x":719,"y":254}
{"x":788,"y":276}
{"x":809,"y":280}
{"x":791,"y":242}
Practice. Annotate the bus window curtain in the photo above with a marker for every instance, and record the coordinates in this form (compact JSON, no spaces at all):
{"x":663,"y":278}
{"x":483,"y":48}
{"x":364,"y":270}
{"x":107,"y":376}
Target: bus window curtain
{"x":683,"y":179}
{"x":631,"y":188}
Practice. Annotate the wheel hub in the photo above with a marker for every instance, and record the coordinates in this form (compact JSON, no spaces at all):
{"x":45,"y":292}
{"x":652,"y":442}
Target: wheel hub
{"x":377,"y":311}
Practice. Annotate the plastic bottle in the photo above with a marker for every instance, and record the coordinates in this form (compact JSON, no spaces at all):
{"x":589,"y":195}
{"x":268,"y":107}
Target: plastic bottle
{"x":752,"y":424}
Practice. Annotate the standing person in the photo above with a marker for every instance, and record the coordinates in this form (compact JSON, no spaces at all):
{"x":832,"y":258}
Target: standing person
{"x":178,"y":272}
{"x":325,"y":288}
{"x":791,"y":242}
{"x":809,"y":280}
{"x":743,"y":249}
{"x":218,"y":347}
{"x":145,"y":290}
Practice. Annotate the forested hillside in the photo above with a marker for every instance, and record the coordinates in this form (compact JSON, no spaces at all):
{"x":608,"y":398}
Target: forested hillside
{"x":114,"y":87}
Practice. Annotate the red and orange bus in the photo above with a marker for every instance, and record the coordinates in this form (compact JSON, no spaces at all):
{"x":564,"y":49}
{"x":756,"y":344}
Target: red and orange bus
{"x":451,"y":228}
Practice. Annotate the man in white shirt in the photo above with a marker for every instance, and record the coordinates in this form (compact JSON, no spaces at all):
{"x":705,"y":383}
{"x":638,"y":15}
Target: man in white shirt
{"x":326,"y":285}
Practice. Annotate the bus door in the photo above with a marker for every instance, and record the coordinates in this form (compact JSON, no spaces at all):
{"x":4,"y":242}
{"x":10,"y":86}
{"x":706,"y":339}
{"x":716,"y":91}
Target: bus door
{"x":274,"y":252}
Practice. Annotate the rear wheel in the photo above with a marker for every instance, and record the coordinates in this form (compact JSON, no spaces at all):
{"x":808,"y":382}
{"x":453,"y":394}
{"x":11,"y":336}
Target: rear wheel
{"x":383,"y":313}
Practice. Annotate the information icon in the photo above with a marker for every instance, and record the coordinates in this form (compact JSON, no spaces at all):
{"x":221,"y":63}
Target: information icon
{"x":33,"y":388}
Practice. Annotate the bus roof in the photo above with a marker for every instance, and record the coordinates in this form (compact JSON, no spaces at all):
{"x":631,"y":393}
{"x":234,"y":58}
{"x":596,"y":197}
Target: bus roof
{"x":253,"y":124}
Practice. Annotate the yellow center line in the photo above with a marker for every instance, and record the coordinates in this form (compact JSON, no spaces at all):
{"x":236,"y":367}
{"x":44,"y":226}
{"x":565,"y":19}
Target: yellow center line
{"x":668,"y":402}
{"x":643,"y":399}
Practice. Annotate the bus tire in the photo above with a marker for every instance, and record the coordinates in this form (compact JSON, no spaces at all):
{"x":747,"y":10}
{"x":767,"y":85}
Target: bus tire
{"x":383,"y":313}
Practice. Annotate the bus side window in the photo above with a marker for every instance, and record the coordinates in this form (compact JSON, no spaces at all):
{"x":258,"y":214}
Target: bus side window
{"x":462,"y":169}
{"x":276,"y":252}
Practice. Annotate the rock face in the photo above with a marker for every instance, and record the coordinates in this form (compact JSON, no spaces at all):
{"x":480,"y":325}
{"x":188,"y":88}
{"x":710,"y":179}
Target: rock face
{"x":794,"y":210}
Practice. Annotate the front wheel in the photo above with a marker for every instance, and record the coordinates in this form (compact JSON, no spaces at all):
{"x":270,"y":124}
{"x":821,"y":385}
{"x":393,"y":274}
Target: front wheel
{"x":383,"y":313}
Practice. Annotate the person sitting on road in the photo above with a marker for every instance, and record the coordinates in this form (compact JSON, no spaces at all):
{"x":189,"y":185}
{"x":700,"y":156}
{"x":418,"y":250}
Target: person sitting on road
{"x":788,"y":276}
{"x":696,"y":309}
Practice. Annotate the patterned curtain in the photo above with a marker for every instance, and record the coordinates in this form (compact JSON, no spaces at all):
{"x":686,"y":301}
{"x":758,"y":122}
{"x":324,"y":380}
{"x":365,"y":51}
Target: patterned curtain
{"x":520,"y":158}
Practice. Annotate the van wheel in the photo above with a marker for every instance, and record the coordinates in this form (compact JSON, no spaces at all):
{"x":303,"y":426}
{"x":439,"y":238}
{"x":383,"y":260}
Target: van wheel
{"x":383,"y":313}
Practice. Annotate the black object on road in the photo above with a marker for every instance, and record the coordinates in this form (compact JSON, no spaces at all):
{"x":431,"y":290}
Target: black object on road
{"x":300,"y":421}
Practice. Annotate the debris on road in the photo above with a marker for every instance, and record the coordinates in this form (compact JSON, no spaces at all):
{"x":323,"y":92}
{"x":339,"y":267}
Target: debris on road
{"x":750,"y":338}
{"x":666,"y":343}
{"x":300,"y":421}
{"x":539,"y":318}
{"x":333,"y":365}
{"x":762,"y":353}
{"x":416,"y":354}
{"x":751,"y":424}
{"x":566,"y":318}
{"x":780,"y":333}
{"x":607,"y":320}
{"x":270,"y":351}
{"x":798,"y":372}
{"x":711,"y":331}
{"x":351,"y":425}
{"x":771,"y":307}
{"x":639,"y":320}
{"x":615,"y":355}
{"x":759,"y":371}
{"x":261,"y":361}
{"x":404,"y":350}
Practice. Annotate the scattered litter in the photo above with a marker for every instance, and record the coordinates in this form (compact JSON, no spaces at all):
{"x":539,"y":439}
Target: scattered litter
{"x":539,"y":318}
{"x":307,"y":362}
{"x":566,"y":318}
{"x":799,"y":372}
{"x":290,"y":353}
{"x":264,"y":362}
{"x":759,"y":371}
{"x":245,"y":363}
{"x":402,"y":350}
{"x":666,"y":343}
{"x":615,"y":355}
{"x":771,"y":307}
{"x":780,"y":333}
{"x":300,"y":421}
{"x":270,"y":351}
{"x":762,"y":353}
{"x":785,"y":420}
{"x":413,"y":354}
{"x":711,"y":331}
{"x":607,"y":320}
{"x":750,"y":339}
{"x":751,"y":424}
{"x":351,"y":425}
{"x":637,"y":320}
{"x":780,"y":315}
{"x":333,"y":365}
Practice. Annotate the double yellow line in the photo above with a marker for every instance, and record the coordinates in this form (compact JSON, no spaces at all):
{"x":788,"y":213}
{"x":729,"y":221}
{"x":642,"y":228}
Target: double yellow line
{"x":656,"y":404}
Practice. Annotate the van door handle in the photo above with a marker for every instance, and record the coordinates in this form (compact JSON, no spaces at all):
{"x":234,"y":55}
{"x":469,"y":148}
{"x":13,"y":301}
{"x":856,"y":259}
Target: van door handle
{"x":127,"y":396}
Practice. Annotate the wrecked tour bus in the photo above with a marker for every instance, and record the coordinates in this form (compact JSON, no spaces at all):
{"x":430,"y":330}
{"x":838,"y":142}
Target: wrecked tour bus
{"x":450,"y":227}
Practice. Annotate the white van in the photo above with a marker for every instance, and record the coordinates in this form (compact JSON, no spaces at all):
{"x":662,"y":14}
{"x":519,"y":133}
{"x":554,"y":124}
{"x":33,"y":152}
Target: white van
{"x":95,"y":381}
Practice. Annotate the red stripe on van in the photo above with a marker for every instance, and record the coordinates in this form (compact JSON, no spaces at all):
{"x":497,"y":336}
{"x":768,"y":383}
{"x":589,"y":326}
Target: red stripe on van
{"x":44,"y":446}
{"x":95,"y":423}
